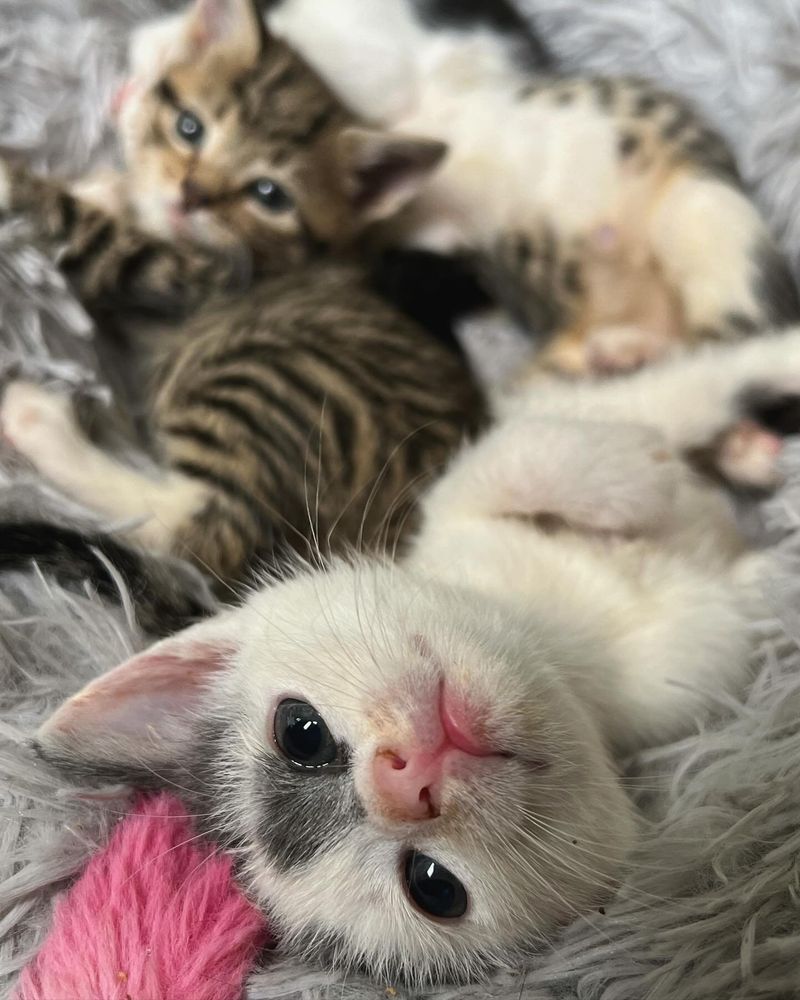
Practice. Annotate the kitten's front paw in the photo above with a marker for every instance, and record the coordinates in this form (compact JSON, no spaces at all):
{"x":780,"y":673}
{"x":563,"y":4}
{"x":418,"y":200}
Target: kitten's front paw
{"x":617,"y":350}
{"x":36,"y":423}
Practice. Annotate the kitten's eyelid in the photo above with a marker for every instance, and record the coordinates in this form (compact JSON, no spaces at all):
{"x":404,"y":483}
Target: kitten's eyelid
{"x":167,"y":93}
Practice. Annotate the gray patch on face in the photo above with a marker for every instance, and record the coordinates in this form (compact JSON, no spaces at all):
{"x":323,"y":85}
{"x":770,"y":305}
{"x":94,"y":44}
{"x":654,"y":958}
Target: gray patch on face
{"x":304,"y":812}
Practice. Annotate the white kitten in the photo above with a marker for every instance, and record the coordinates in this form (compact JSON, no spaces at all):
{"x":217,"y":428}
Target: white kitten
{"x":414,"y":763}
{"x":603,"y":211}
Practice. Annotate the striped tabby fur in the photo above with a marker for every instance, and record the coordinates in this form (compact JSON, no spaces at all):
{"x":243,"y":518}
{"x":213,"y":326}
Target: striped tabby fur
{"x":290,"y":406}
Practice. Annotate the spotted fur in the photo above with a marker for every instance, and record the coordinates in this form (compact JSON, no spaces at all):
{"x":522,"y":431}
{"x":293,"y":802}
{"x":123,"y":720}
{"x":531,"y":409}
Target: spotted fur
{"x":605,"y":212}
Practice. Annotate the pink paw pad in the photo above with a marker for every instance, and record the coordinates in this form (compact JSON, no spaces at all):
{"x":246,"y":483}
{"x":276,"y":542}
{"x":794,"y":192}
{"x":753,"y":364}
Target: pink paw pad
{"x":749,"y":454}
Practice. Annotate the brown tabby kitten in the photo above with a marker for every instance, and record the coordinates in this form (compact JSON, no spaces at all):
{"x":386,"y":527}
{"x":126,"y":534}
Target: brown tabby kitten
{"x":304,"y":413}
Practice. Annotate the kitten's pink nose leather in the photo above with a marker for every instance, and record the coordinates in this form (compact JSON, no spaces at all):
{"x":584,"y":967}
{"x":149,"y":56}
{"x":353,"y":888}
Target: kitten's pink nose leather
{"x":408,"y":781}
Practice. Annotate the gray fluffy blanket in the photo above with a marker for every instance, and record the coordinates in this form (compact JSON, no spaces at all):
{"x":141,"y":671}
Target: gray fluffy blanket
{"x":711,"y":905}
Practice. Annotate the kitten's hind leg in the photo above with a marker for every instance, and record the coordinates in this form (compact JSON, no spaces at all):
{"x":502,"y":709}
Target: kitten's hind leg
{"x":602,"y":477}
{"x":41,"y":425}
{"x":715,"y":250}
{"x":691,"y":399}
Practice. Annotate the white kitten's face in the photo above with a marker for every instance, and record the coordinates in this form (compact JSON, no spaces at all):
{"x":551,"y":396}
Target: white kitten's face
{"x":408,"y":781}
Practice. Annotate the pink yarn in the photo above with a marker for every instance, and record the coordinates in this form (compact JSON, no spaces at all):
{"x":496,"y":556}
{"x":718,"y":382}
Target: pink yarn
{"x":156,"y":916}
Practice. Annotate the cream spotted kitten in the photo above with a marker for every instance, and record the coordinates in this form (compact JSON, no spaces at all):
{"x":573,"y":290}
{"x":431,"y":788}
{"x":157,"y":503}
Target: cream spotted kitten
{"x":604,"y":211}
{"x":415,"y":763}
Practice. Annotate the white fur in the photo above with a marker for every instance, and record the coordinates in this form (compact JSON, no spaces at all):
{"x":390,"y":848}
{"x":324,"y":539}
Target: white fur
{"x":620,"y":628}
{"x":42,"y":427}
{"x":509,"y":163}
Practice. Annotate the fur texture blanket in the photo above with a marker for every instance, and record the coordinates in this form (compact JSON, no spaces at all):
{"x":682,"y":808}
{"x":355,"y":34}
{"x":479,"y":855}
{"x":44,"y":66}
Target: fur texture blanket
{"x":710,"y":907}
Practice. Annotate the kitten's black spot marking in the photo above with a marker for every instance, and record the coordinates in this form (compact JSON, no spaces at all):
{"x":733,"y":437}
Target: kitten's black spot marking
{"x":628,"y":144}
{"x":304,"y":813}
{"x":528,"y":91}
{"x":533,"y":293}
{"x":682,"y":119}
{"x":778,"y":412}
{"x":774,"y":287}
{"x":496,"y":15}
{"x":645,"y":104}
{"x":741,"y":324}
{"x":706,"y":332}
{"x":709,"y":151}
{"x":604,"y":91}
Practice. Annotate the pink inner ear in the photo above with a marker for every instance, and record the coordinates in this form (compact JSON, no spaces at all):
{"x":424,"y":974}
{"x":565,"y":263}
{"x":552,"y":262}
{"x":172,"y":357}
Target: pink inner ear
{"x":148,"y":689}
{"x":212,"y":22}
{"x":121,"y":97}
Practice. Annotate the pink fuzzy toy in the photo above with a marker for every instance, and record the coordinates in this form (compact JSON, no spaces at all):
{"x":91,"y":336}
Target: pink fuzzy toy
{"x":156,"y":916}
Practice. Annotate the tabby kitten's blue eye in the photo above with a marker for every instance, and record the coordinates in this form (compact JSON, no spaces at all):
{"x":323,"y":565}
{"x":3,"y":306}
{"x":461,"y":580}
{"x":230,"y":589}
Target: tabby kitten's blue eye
{"x":271,"y":195}
{"x":190,"y":128}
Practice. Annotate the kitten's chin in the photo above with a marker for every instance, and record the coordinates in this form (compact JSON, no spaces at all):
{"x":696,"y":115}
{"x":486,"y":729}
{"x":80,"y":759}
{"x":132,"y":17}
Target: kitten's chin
{"x":155,"y":215}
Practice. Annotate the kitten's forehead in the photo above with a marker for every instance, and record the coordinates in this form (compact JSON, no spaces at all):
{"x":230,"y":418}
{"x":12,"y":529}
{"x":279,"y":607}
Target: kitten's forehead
{"x":277,"y":108}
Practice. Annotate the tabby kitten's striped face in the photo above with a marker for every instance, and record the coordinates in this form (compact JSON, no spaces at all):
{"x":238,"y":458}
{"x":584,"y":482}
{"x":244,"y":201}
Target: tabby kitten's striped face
{"x":230,"y":140}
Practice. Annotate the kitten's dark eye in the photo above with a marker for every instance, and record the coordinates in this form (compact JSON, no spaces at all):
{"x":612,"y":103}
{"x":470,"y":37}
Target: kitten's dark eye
{"x":434,"y":889}
{"x":190,"y":128}
{"x":302,"y":736}
{"x":270,"y":195}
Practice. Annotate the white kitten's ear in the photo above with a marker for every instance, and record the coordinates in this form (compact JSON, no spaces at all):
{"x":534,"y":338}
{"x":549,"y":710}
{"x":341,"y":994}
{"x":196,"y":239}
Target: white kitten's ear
{"x":139,"y":716}
{"x":383,"y":171}
{"x":233,"y":27}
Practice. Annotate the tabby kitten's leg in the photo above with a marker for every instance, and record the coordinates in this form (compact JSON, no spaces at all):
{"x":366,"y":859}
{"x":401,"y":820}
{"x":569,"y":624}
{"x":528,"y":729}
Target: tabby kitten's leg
{"x":41,"y":425}
{"x":715,"y":250}
{"x":110,"y":262}
{"x":180,"y":512}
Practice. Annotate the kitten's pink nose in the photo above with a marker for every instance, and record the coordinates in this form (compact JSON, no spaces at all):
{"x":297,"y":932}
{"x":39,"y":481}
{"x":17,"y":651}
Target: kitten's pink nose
{"x":194,"y":195}
{"x":408,"y":784}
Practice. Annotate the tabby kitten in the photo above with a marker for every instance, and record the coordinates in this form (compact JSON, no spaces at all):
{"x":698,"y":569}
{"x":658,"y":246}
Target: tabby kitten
{"x":604,"y":212}
{"x":303,"y":414}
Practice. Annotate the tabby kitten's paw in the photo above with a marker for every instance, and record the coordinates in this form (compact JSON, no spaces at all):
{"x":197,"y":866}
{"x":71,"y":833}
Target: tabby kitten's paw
{"x":37,"y":423}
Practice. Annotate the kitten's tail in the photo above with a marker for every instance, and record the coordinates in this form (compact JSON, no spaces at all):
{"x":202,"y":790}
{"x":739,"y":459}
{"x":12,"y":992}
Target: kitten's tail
{"x":166,"y":594}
